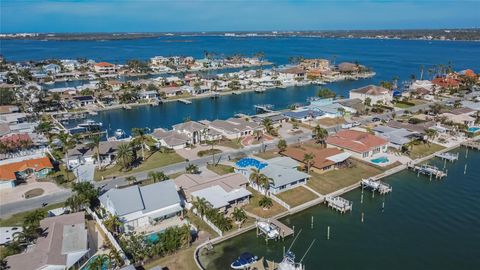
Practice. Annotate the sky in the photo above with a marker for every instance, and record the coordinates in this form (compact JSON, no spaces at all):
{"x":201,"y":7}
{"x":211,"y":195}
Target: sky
{"x":233,"y":15}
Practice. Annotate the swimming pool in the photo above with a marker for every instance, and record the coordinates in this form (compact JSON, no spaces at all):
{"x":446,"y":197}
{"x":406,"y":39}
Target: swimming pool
{"x":473,"y":129}
{"x":152,"y":238}
{"x":105,"y":264}
{"x":251,"y":162}
{"x":380,"y":160}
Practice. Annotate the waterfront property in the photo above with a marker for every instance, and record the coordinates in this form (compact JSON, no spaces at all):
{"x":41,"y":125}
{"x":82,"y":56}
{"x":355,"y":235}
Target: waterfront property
{"x":234,"y":128}
{"x":396,"y":137}
{"x":14,"y":172}
{"x":324,"y":159}
{"x":376,"y":94}
{"x":150,"y":206}
{"x":170,"y":139}
{"x":62,"y":245}
{"x":361,"y":145}
{"x":85,"y":154}
{"x":197,"y":132}
{"x":222,"y":192}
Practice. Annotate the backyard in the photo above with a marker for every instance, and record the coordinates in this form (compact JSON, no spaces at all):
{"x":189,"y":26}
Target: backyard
{"x":220,"y":169}
{"x":257,"y":210}
{"x":297,"y":196}
{"x":337,"y":179}
{"x":423,"y":150}
{"x":267,"y":154}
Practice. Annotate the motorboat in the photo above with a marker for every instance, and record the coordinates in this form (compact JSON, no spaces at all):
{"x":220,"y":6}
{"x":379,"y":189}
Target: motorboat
{"x":244,"y":261}
{"x":119,"y":134}
{"x":91,"y":125}
{"x":288,"y":263}
{"x":270,"y":231}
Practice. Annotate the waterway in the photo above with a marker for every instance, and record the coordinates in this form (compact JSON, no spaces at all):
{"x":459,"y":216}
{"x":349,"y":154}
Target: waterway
{"x":424,"y":225}
{"x":388,"y":58}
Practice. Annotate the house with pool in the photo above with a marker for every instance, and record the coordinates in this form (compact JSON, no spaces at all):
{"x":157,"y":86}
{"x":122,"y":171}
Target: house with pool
{"x":147,"y":208}
{"x":361,"y":145}
{"x":282,"y":172}
{"x":11,"y":173}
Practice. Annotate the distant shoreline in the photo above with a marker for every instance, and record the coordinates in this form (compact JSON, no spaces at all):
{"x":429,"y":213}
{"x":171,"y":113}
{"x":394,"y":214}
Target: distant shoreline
{"x":427,"y":34}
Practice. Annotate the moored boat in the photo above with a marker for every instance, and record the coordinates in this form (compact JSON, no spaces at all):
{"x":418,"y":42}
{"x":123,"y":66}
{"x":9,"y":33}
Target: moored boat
{"x":268,"y":229}
{"x":244,"y":261}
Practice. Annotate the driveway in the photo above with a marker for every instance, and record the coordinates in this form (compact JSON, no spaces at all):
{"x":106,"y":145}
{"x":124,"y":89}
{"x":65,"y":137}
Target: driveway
{"x":85,"y":172}
{"x":192,"y":153}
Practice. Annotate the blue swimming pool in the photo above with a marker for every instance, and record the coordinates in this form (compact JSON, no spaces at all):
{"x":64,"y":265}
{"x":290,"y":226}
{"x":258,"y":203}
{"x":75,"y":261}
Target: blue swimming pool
{"x":473,"y":129}
{"x":152,"y":238}
{"x":105,"y":264}
{"x":251,"y":162}
{"x":380,"y":160}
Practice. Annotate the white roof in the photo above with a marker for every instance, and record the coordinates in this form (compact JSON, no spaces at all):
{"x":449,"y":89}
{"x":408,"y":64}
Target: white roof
{"x":339,"y":157}
{"x":218,"y":197}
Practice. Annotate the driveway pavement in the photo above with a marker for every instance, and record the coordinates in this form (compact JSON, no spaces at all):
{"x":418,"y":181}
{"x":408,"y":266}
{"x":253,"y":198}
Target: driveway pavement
{"x":84,"y":172}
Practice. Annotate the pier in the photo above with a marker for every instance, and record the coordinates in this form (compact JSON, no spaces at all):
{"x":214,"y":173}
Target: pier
{"x":472,"y":144}
{"x":339,"y":204}
{"x":447,"y":156}
{"x":266,"y":108}
{"x":184,"y":101}
{"x":283,"y":230}
{"x":428,"y":170}
{"x":376,"y":185}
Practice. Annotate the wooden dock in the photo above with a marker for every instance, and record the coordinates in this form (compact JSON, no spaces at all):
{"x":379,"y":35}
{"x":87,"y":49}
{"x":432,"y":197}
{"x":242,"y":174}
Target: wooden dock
{"x":339,"y":204}
{"x":264,"y":108}
{"x":428,"y":170}
{"x":283,"y":230}
{"x":376,"y":185}
{"x":472,"y":144}
{"x":185,"y":101}
{"x":447,"y":156}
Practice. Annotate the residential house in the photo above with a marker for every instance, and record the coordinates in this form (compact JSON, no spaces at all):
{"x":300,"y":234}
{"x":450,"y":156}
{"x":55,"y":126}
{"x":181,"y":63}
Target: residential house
{"x":234,"y":128}
{"x":13,"y":118}
{"x":63,"y":244}
{"x":146,"y":205}
{"x":303,"y":115}
{"x":325,"y":159}
{"x":172,"y":91}
{"x":6,"y":109}
{"x":105,"y":68}
{"x":82,"y":101}
{"x":347,"y":67}
{"x":377,"y":94}
{"x":396,"y":137}
{"x":222,"y":192}
{"x":298,"y":73}
{"x":361,"y":145}
{"x":12,"y":173}
{"x":148,"y":95}
{"x":85,"y":154}
{"x":52,"y":68}
{"x":197,"y":132}
{"x":170,"y":139}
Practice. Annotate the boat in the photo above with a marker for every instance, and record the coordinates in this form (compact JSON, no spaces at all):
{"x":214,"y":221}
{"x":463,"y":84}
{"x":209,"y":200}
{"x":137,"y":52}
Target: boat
{"x":91,"y":125}
{"x":119,"y":134}
{"x":244,"y":261}
{"x":260,"y":90}
{"x":268,"y":229}
{"x":288,"y":263}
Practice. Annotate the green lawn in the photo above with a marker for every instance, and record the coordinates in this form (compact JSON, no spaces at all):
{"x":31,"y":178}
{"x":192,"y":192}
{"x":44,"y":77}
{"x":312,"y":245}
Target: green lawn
{"x":220,"y":169}
{"x":255,"y":209}
{"x":337,"y":179}
{"x":402,"y":105}
{"x":17,"y":219}
{"x":423,"y":150}
{"x":235,"y":144}
{"x":156,"y":160}
{"x":180,"y":260}
{"x":297,"y":196}
{"x":209,"y":152}
{"x":267,"y":154}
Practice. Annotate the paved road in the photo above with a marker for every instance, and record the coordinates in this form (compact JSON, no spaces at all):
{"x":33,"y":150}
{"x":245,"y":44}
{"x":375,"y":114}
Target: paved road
{"x":33,"y":203}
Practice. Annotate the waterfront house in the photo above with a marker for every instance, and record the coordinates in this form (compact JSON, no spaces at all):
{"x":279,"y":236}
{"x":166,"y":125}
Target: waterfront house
{"x":197,"y":132}
{"x":396,"y":137}
{"x":12,"y":173}
{"x":69,"y":64}
{"x":282,"y":172}
{"x":275,"y":117}
{"x":148,"y":95}
{"x":446,"y":83}
{"x":377,"y":94}
{"x":147,"y":206}
{"x":347,"y":67}
{"x":85,"y":154}
{"x":418,"y":128}
{"x":361,"y":145}
{"x":170,"y":139}
{"x":223,"y":192}
{"x":325,"y":159}
{"x":234,"y":128}
{"x":171,"y":91}
{"x":82,"y":101}
{"x":459,"y":118}
{"x":52,"y":69}
{"x":298,"y":73}
{"x":63,"y":244}
{"x":105,"y":68}
{"x":303,"y":115}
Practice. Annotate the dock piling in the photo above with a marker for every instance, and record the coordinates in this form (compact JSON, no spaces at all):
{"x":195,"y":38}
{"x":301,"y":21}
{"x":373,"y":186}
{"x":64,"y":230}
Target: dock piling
{"x":362,"y":216}
{"x":328,"y":232}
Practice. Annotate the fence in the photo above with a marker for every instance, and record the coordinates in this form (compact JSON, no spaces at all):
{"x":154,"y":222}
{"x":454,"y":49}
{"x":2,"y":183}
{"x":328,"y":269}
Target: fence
{"x":209,"y":223}
{"x":282,"y":203}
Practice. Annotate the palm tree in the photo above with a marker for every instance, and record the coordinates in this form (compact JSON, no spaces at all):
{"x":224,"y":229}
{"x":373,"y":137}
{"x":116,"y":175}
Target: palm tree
{"x":202,"y":205}
{"x":257,"y":134}
{"x":95,"y":144}
{"x":192,"y":168}
{"x":131,"y":180}
{"x":34,"y":218}
{"x":99,"y":262}
{"x":282,"y":145}
{"x":124,"y":155}
{"x":265,"y":202}
{"x":76,"y":202}
{"x":431,"y":133}
{"x":368,"y":101}
{"x":140,"y":137}
{"x":267,"y":123}
{"x":157,"y":176}
{"x":212,"y":144}
{"x":239,"y":215}
{"x":215,"y":85}
{"x":320,"y":134}
{"x":112,"y":223}
{"x":265,"y":183}
{"x":308,"y":160}
{"x":67,"y":142}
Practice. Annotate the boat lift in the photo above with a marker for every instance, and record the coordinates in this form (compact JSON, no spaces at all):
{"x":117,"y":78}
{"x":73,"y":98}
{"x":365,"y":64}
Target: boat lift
{"x":376,"y":185}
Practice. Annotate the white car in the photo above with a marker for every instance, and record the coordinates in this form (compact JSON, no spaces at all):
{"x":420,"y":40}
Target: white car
{"x":347,"y":126}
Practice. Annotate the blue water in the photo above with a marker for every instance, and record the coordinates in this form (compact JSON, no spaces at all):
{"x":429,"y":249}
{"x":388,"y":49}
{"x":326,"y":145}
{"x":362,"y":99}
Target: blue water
{"x":251,"y":162}
{"x":380,"y":160}
{"x":153,"y":238}
{"x":388,"y":58}
{"x":473,"y":129}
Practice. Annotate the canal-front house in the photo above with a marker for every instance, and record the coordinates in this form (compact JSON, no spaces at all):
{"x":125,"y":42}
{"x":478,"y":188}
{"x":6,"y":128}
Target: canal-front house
{"x":12,"y":173}
{"x":234,"y":128}
{"x":376,"y":94}
{"x":105,"y":68}
{"x":325,"y":159}
{"x":224,"y":192}
{"x":143,"y":208}
{"x":197,"y":132}
{"x":85,"y":154}
{"x":170,"y":139}
{"x":361,"y":145}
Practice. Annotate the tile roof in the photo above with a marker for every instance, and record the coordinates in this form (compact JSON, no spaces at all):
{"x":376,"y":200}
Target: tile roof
{"x":372,"y":90}
{"x":7,"y":171}
{"x":104,"y":64}
{"x":356,"y":141}
{"x":191,"y":182}
{"x":321,"y":155}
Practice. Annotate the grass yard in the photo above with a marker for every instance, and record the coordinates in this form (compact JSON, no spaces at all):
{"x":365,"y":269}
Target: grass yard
{"x":234,"y":144}
{"x":220,"y":169}
{"x":255,"y":209}
{"x":423,"y":150}
{"x":209,"y":152}
{"x":180,"y":260}
{"x":268,"y":154}
{"x":337,"y":179}
{"x":402,"y":105}
{"x":156,"y":160}
{"x":17,"y":219}
{"x":296,"y":196}
{"x":328,"y":122}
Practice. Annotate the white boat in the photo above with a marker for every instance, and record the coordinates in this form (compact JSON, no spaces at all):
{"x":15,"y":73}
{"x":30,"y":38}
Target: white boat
{"x":268,"y":229}
{"x":288,"y":263}
{"x":244,"y":261}
{"x":119,"y":134}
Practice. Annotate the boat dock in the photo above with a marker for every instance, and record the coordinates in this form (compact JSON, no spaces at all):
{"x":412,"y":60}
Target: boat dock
{"x":264,"y":108}
{"x":283,"y":230}
{"x":376,"y":185}
{"x":184,"y":101}
{"x":339,"y":204}
{"x":472,"y":144}
{"x":428,"y":170}
{"x":447,"y":156}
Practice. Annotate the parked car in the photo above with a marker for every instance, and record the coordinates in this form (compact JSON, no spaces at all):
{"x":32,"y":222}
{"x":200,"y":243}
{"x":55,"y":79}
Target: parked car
{"x":347,"y":126}
{"x":356,"y":124}
{"x":376,"y":119}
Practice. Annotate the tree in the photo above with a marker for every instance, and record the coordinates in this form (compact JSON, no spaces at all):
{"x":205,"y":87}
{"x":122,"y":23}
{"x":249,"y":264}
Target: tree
{"x":265,"y":202}
{"x":320,"y":134}
{"x":100,"y":262}
{"x":112,"y":223}
{"x":326,"y":93}
{"x":368,"y":101}
{"x":68,"y":142}
{"x":201,"y":204}
{"x":260,"y":180}
{"x":212,"y":144}
{"x":282,"y":145}
{"x":192,"y":169}
{"x":95,"y":144}
{"x":124,"y":155}
{"x":239,"y":215}
{"x":436,"y":108}
{"x":131,"y":180}
{"x":457,"y":103}
{"x":140,"y":137}
{"x":308,"y":160}
{"x":157,"y":176}
{"x":267,"y":123}
{"x":34,"y":218}
{"x":7,"y":96}
{"x":431,"y":134}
